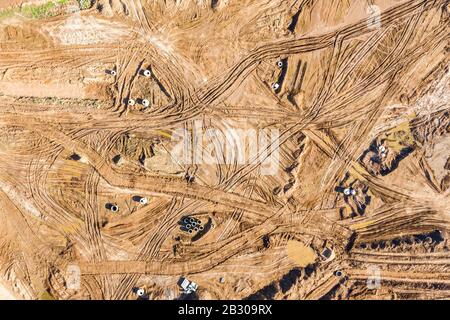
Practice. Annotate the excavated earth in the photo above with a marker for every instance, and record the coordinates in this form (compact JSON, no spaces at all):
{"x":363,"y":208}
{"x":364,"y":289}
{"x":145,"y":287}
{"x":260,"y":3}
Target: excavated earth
{"x":350,"y":201}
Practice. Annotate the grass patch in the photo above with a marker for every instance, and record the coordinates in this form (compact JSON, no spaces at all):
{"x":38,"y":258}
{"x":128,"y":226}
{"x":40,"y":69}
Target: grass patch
{"x":7,"y":13}
{"x":40,"y":11}
{"x":85,"y":4}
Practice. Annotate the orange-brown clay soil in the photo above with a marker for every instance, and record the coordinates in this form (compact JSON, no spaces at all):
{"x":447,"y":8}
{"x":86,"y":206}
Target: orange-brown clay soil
{"x":350,"y":201}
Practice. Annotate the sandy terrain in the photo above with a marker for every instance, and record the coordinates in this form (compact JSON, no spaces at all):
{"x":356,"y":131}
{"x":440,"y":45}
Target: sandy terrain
{"x":261,"y":149}
{"x":5,"y":294}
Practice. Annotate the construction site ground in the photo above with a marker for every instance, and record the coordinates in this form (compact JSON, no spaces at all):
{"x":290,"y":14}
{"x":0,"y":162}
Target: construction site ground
{"x":356,"y":204}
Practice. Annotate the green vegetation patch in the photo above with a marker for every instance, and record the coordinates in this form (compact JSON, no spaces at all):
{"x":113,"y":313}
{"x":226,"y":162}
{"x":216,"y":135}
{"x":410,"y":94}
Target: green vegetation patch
{"x":47,"y":296}
{"x":38,"y":11}
{"x":7,"y":13}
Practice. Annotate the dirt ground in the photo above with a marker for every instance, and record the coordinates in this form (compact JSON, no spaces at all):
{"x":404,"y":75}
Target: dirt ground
{"x":13,"y":3}
{"x":261,"y":149}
